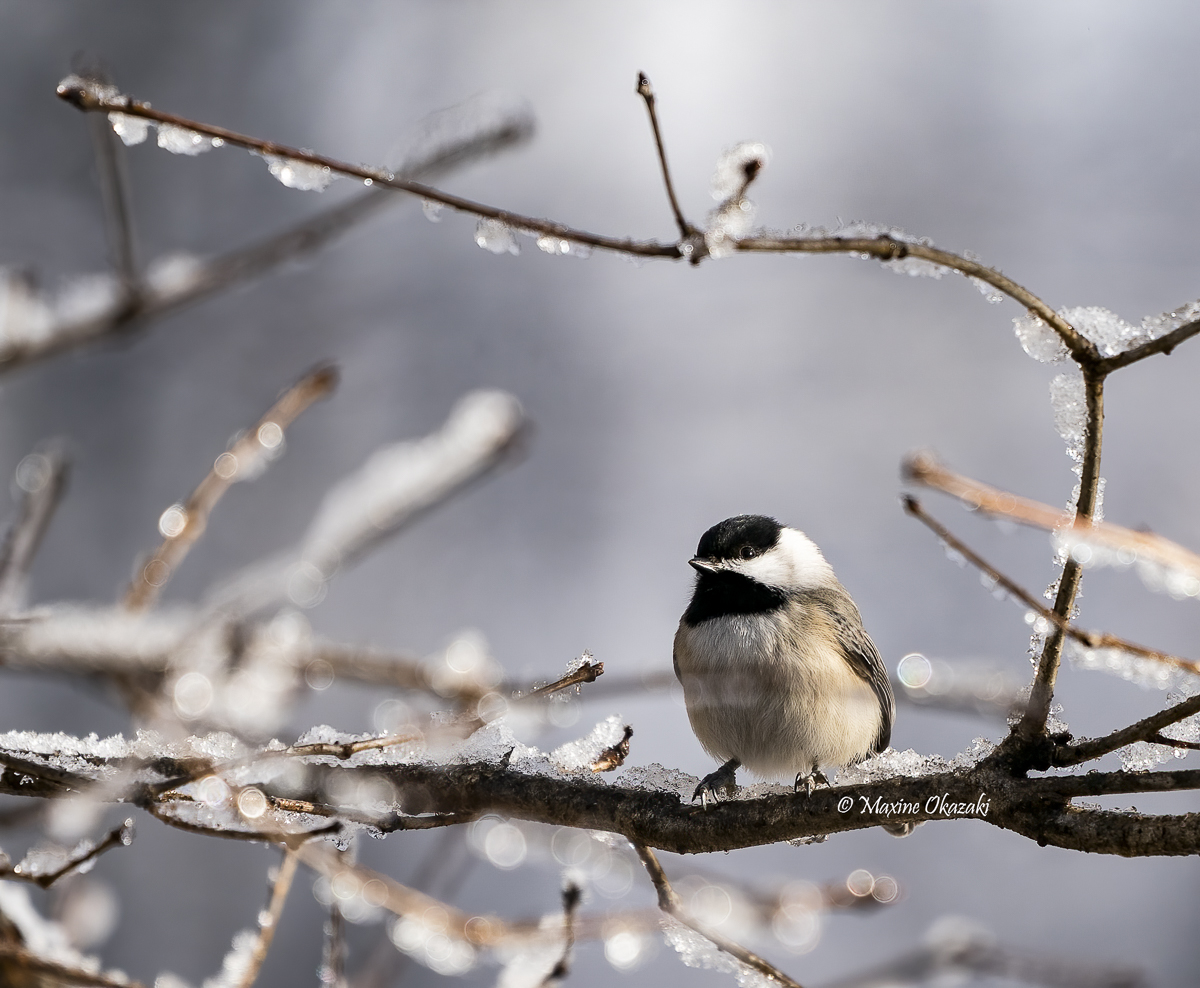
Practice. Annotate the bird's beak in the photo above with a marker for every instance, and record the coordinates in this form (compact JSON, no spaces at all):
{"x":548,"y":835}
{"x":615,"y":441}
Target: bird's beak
{"x":702,"y":565}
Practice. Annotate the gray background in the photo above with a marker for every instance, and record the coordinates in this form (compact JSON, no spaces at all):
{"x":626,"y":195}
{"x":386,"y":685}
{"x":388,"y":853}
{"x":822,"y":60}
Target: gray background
{"x":1057,"y":141}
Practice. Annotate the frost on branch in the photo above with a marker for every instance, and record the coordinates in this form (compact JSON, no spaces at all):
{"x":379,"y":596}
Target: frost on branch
{"x":1109,"y":332}
{"x":733,"y":219}
{"x":496,"y":236}
{"x":301,"y":175}
{"x":395,"y":484}
{"x":1069,"y":401}
{"x":1118,"y":662}
{"x":181,"y":140}
{"x":400,"y":480}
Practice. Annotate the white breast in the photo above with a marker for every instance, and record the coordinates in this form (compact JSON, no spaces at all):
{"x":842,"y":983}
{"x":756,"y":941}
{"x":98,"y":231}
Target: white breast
{"x":773,"y":691}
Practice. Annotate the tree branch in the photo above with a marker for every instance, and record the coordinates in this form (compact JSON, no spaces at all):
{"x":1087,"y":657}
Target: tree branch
{"x":266,"y":930}
{"x":669,"y":903}
{"x":1092,"y":639}
{"x":888,"y":248}
{"x":924,"y":469}
{"x":116,"y":209}
{"x":81,"y":98}
{"x":23,"y":872}
{"x":1146,"y":729}
{"x":183,"y":524}
{"x":42,"y":478}
{"x":686,"y":230}
{"x":15,"y":958}
{"x":1164,"y":344}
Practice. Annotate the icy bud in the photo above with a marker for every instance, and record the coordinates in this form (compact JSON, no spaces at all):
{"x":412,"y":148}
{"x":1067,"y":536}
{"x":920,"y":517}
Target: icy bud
{"x":432,"y":210}
{"x":91,"y":89}
{"x":737,"y":167}
{"x":1069,"y":401}
{"x":301,"y":175}
{"x":181,"y":140}
{"x":132,"y":130}
{"x":497,"y":237}
{"x":1038,"y":339}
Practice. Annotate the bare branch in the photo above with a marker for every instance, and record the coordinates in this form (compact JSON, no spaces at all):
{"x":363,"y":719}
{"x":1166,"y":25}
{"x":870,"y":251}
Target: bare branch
{"x":16,"y":961}
{"x":42,"y":477}
{"x":588,"y":672}
{"x":182,"y":525}
{"x":398,"y":484}
{"x":1146,"y":729}
{"x":1164,"y":344}
{"x":116,"y":209}
{"x":961,"y":952}
{"x":686,"y":230}
{"x":1145,"y":546}
{"x":668,"y":902}
{"x":571,"y":897}
{"x":614,"y":756}
{"x":80,"y":97}
{"x":1092,"y":639}
{"x":266,"y":929}
{"x":183,"y":280}
{"x":888,"y":248}
{"x":25,"y":872}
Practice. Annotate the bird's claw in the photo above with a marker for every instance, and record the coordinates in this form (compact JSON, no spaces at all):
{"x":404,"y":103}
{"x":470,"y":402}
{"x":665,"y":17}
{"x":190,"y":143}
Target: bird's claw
{"x":810,"y":781}
{"x":711,"y":785}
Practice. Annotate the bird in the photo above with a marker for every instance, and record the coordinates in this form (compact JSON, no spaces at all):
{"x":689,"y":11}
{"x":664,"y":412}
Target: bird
{"x":779,"y":676}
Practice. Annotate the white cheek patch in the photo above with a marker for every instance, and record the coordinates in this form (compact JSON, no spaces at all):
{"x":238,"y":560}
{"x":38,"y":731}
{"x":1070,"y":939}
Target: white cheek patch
{"x":795,"y":562}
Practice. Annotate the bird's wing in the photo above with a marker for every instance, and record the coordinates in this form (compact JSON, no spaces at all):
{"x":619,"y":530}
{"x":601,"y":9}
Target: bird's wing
{"x":863,"y":657}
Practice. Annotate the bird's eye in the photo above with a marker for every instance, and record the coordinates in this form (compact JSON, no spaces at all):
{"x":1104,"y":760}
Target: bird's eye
{"x":747,"y":552}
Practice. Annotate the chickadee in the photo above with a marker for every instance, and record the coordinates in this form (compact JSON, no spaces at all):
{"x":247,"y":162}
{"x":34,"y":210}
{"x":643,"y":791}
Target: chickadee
{"x":778,"y":674}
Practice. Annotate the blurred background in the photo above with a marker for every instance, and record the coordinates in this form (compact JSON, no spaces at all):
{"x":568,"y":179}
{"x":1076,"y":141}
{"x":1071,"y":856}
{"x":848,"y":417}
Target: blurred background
{"x":1058,"y":142}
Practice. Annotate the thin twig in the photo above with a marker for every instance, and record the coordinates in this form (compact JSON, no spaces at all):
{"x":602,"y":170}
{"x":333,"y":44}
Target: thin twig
{"x":1164,"y":344}
{"x":978,"y":953}
{"x":686,"y":230}
{"x":122,"y":835}
{"x":43,"y":487}
{"x":888,"y":248}
{"x":15,"y":958}
{"x":571,"y":897}
{"x":226,"y":270}
{"x":266,"y":930}
{"x":1147,"y":729}
{"x":240,"y":461}
{"x":116,"y":208}
{"x":668,"y":902}
{"x":82,"y":99}
{"x":924,"y":469}
{"x":1092,"y":639}
{"x":588,"y":672}
{"x":613,"y":757}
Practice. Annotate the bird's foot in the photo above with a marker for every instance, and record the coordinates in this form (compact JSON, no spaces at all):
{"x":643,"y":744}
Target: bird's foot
{"x":814,"y":778}
{"x":723,"y":778}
